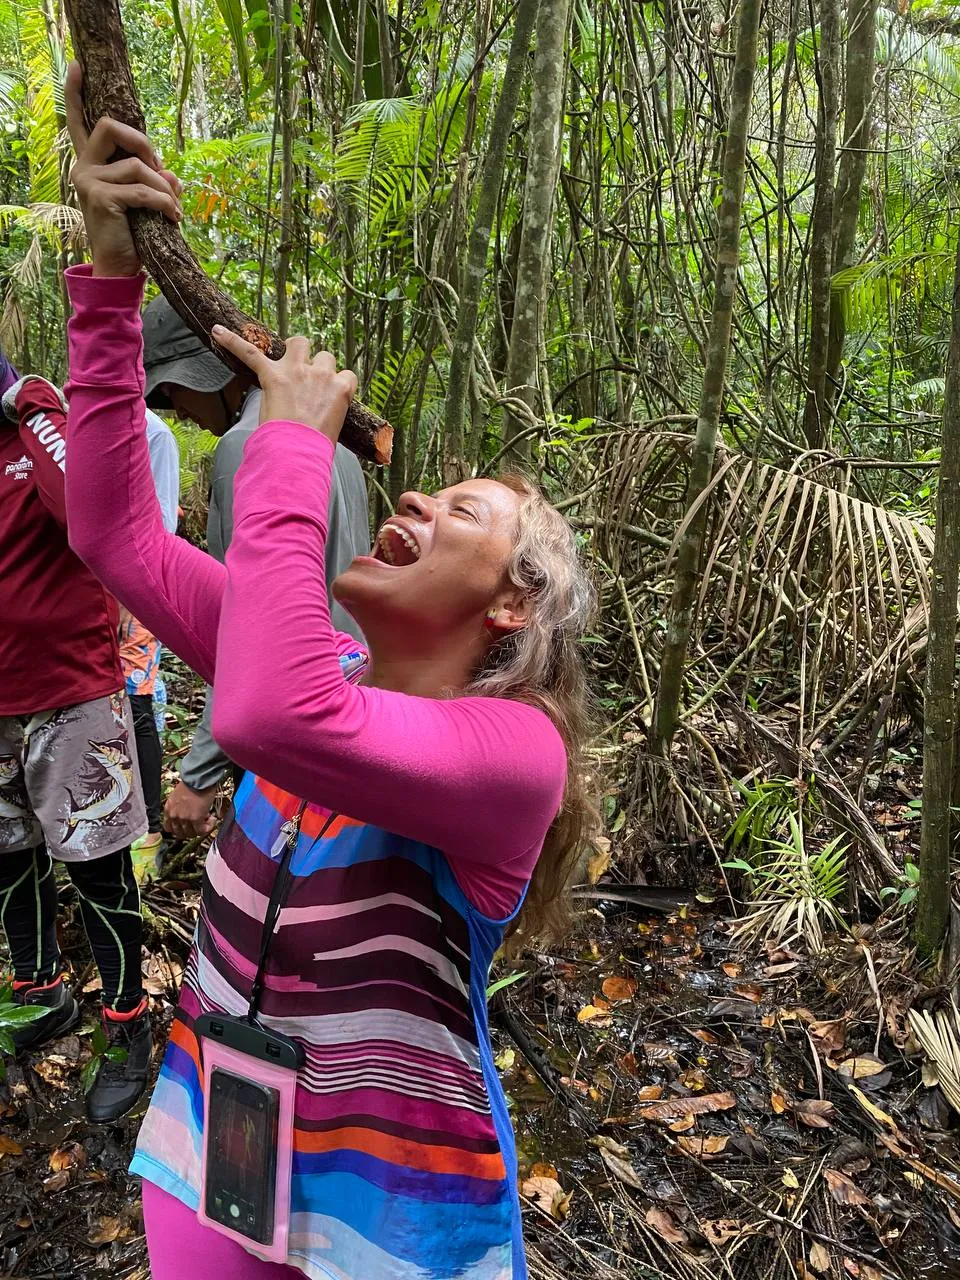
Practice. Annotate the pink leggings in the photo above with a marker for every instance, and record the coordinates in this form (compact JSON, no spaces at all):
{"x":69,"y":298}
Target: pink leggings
{"x":179,"y":1246}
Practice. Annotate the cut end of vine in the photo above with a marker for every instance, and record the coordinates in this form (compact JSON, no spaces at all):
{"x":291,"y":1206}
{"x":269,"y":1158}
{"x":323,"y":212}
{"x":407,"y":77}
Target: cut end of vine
{"x":383,"y":445}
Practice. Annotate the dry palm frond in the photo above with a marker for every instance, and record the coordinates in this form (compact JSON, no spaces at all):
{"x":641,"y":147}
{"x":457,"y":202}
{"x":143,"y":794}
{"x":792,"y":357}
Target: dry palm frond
{"x":45,"y":218}
{"x":848,"y":579}
{"x":939,"y":1036}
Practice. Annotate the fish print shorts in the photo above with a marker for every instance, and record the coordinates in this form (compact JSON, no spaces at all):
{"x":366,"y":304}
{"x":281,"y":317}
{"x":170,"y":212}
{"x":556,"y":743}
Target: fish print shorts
{"x":69,"y":778}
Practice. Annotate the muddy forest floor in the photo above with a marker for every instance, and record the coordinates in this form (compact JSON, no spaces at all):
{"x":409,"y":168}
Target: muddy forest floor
{"x":682,"y":1109}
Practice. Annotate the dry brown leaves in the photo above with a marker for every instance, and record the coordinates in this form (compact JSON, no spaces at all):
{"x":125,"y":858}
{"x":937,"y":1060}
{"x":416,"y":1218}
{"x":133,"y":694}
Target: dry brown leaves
{"x":843,"y":1189}
{"x":68,"y":1157}
{"x":704,"y":1148}
{"x":617,"y":989}
{"x":8,"y":1147}
{"x":617,"y":1159}
{"x":664,"y":1225}
{"x":721,"y":1231}
{"x":818,"y":1258}
{"x":677,"y":1107}
{"x":548,"y":1195}
{"x":863,"y":1067}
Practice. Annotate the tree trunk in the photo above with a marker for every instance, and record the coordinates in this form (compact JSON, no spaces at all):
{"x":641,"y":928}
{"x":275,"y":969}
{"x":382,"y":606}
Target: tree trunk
{"x":108,"y":89}
{"x":861,"y":61}
{"x":680,"y":616}
{"x":287,"y":114}
{"x":939,"y":696}
{"x":543,"y":160}
{"x":821,"y":231}
{"x":474,"y":267}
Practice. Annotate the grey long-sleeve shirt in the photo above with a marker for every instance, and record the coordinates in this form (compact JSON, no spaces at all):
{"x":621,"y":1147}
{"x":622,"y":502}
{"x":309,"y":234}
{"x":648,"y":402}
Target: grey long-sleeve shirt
{"x":348,"y":536}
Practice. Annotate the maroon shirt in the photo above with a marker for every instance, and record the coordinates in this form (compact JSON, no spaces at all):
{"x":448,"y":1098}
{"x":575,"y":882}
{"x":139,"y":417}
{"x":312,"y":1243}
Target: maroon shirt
{"x":58,"y":625}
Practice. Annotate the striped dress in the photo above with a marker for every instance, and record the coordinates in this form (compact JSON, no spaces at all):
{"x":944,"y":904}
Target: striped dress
{"x":404,"y":1164}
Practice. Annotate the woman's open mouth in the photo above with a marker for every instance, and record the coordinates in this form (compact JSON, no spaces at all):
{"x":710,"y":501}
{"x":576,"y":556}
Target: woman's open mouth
{"x":395,"y":546}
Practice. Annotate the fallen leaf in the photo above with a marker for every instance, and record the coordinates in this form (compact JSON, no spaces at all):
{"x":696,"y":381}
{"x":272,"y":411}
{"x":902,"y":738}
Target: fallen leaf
{"x":683,"y":1124}
{"x":68,"y":1157}
{"x":677,"y":1107}
{"x":655,"y":1051}
{"x":505,"y":1059}
{"x":829,"y":1035}
{"x":816,"y":1113}
{"x":695,"y":1080}
{"x":913,"y":1178}
{"x":843,"y":1189}
{"x":617,"y":1159}
{"x":599,"y":861}
{"x":749,"y":991}
{"x":819,"y":1258}
{"x":581,"y":1086}
{"x":51,"y":1073}
{"x":8,"y":1147}
{"x":790,"y":1179}
{"x":650,"y":1092}
{"x":732,"y":970}
{"x":873,"y":1110}
{"x":628,"y":1063}
{"x":768,"y":1021}
{"x":107,"y":1230}
{"x":56,"y":1182}
{"x":547,"y":1194}
{"x":742,"y":1064}
{"x":702,"y":1148}
{"x":665,"y":1226}
{"x":617,"y":989}
{"x":720,"y":1230}
{"x":591,"y":1013}
{"x":862,"y":1067}
{"x":706,"y":1036}
{"x":540,"y":1170}
{"x":779,"y":970}
{"x":778,"y":1102}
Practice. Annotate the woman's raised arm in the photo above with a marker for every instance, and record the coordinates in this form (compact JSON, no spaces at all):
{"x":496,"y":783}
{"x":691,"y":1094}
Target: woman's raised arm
{"x":113,"y":516}
{"x":114,"y":521}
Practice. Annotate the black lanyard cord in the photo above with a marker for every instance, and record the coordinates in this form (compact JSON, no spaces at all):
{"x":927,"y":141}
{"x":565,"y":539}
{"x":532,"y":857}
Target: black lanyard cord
{"x":278,"y":896}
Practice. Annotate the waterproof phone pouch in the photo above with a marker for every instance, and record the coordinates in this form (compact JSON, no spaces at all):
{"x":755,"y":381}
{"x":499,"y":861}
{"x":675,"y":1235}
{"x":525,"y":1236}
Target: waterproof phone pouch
{"x":249,"y":1084}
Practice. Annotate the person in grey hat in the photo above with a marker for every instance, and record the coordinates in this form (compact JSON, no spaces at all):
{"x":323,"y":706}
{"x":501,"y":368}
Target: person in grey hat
{"x":184,"y":376}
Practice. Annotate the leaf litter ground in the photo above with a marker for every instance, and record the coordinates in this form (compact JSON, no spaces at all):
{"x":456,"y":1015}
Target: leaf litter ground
{"x":682,"y":1110}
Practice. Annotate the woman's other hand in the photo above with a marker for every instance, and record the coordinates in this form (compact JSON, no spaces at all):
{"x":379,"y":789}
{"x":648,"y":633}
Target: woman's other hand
{"x":298,"y":387}
{"x":107,"y":188}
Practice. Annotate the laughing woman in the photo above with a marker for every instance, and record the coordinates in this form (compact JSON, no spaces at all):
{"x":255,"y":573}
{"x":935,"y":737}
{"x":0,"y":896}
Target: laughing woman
{"x":441,"y":793}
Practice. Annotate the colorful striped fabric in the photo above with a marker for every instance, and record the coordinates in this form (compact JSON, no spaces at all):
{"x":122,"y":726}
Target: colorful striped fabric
{"x":404,"y":1162}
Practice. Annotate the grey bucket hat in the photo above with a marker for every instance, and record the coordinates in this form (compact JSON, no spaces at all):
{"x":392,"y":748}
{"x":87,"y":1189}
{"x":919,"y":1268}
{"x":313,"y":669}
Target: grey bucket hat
{"x":173,"y":353}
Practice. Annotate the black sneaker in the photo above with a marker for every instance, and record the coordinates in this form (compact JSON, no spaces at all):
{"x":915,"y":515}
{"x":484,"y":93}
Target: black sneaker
{"x":63,"y":1014}
{"x":124,"y":1067}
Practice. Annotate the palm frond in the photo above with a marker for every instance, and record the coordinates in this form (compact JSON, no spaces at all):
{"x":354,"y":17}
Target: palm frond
{"x":939,"y":1036}
{"x":847,"y":581}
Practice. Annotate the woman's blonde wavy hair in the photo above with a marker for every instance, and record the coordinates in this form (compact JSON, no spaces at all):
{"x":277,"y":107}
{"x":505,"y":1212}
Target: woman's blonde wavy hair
{"x":542,"y":664}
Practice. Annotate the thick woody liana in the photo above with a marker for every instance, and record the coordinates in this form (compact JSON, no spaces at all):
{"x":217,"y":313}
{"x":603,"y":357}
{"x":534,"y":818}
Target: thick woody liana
{"x":108,"y":90}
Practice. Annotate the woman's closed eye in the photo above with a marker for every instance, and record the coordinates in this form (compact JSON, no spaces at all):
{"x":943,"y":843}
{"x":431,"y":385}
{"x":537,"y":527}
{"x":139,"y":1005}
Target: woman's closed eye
{"x":460,"y":509}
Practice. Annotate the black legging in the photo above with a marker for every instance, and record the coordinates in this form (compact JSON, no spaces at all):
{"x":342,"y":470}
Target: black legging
{"x":149,"y":756}
{"x":110,"y":907}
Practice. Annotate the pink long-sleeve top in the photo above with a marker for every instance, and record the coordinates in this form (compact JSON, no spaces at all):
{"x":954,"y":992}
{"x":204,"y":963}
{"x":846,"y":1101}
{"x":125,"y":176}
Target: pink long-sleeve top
{"x":479,"y":779}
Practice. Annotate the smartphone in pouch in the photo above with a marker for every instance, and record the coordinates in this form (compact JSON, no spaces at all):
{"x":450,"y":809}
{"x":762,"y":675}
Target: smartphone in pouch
{"x":241,"y":1170}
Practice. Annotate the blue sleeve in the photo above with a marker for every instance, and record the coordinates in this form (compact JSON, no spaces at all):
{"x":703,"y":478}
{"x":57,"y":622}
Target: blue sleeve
{"x":165,"y":466}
